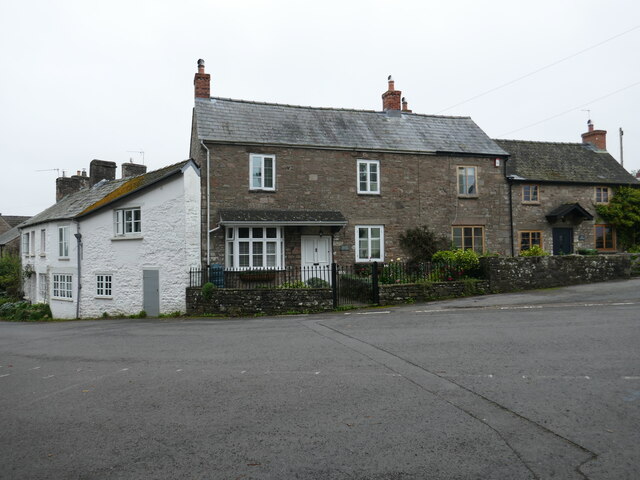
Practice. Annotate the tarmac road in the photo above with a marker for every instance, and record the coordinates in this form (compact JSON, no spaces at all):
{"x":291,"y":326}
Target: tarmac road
{"x":535,"y":385}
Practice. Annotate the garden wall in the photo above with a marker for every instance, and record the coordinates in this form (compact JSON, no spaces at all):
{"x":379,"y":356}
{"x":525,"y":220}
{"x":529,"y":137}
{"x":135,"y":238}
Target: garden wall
{"x":422,"y":292}
{"x":510,"y":274}
{"x":231,"y":301}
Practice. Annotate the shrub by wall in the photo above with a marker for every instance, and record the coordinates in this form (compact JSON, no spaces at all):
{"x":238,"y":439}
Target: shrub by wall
{"x":508,"y":274}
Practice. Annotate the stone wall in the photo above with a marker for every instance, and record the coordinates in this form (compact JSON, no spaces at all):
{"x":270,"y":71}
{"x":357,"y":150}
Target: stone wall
{"x":527,"y":273}
{"x":422,"y":292}
{"x":230,"y":301}
{"x":414,"y":190}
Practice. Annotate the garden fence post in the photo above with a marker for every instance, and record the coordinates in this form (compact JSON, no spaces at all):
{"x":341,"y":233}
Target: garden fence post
{"x":334,"y":284}
{"x":375,"y":291}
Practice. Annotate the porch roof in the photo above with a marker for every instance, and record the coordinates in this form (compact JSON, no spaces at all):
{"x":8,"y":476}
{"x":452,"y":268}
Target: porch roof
{"x":281,"y":217}
{"x":569,"y":210}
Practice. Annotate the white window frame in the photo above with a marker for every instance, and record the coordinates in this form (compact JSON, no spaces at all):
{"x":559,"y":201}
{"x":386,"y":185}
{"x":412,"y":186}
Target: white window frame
{"x":369,"y":239}
{"x":257,"y":160}
{"x":62,"y":286}
{"x":462,"y":175}
{"x":63,"y":241}
{"x":25,"y":244}
{"x":104,"y":285}
{"x":258,"y":250}
{"x":126,"y":223}
{"x":368,"y":177}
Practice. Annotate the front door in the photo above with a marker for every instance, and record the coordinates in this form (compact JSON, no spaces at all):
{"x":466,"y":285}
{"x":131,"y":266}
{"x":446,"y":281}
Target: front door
{"x":316,"y":260}
{"x":151,"y":292}
{"x":562,"y":241}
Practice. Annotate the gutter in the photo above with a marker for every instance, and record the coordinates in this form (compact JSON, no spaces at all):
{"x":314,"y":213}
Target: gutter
{"x":78,"y":236}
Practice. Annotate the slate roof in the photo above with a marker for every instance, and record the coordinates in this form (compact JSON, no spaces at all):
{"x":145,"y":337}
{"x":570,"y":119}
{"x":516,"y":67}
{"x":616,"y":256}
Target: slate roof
{"x":282,"y":217}
{"x":9,"y":235}
{"x":14,"y":220}
{"x":563,"y":162}
{"x":89,"y":200}
{"x":225,"y":120}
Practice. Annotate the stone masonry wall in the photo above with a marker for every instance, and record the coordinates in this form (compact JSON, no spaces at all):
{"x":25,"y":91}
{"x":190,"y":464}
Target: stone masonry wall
{"x":414,"y":190}
{"x":531,"y":216}
{"x":422,"y":292}
{"x":233,"y":302}
{"x":526,"y":273}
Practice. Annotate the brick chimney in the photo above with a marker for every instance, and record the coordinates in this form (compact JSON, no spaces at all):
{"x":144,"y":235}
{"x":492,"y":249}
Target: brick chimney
{"x":202,"y":82}
{"x":405,"y":105}
{"x":130,"y":169}
{"x":391,"y":98}
{"x":597,"y":138}
{"x":101,"y":170}
{"x":68,"y":185}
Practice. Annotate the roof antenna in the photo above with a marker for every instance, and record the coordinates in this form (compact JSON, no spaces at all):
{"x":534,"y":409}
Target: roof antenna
{"x":141,"y":152}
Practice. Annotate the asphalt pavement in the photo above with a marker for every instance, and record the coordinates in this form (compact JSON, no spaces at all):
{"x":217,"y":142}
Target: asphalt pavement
{"x":533,"y":385}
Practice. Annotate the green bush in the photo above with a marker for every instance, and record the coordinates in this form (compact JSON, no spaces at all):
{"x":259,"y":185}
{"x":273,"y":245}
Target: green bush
{"x":24,"y":311}
{"x":587,"y":251}
{"x":10,"y":279}
{"x":207,"y":290}
{"x":420,"y":244}
{"x":455,"y":264}
{"x":316,"y":282}
{"x":534,"y":251}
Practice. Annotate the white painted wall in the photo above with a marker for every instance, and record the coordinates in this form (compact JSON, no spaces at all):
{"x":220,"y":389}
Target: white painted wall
{"x":169,"y":242}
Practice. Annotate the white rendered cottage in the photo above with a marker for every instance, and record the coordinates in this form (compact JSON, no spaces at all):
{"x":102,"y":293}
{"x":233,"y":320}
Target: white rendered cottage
{"x":117,"y":247}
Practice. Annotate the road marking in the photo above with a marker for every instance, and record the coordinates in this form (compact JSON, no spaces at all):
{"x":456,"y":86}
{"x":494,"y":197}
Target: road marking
{"x":631,"y":378}
{"x":123,"y":369}
{"x":372,"y":313}
{"x":179,"y":370}
{"x":243,"y":371}
{"x":35,"y":368}
{"x":50,"y":376}
{"x":317,"y":373}
{"x":5,"y":375}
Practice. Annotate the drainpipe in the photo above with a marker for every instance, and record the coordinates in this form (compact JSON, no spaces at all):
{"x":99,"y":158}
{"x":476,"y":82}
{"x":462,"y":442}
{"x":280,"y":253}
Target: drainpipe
{"x":208,"y":203}
{"x":79,"y":250}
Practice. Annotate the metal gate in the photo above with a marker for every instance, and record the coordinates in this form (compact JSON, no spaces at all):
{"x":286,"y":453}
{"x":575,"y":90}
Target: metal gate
{"x":355,"y":285}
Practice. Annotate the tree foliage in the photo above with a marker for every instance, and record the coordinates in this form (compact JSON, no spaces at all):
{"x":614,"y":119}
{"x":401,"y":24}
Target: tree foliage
{"x":420,"y":244}
{"x":623,"y":212}
{"x":10,"y":278}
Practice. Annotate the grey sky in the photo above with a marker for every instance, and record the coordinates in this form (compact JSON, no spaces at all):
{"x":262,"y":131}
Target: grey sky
{"x":96,"y":79}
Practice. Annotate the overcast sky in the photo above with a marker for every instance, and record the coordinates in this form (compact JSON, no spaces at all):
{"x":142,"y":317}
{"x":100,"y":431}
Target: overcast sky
{"x":107,"y":79}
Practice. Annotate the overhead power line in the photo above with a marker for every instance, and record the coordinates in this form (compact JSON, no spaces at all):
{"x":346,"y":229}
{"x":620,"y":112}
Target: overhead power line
{"x":539,"y":69}
{"x":571,"y":109}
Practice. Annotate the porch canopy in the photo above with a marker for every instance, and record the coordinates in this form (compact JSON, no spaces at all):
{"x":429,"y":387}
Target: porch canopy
{"x":569,"y":212}
{"x":282,"y":218}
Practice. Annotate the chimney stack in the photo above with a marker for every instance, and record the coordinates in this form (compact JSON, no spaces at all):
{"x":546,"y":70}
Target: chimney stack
{"x":202,"y":82}
{"x":597,"y":138}
{"x":405,"y":105}
{"x":101,"y":170}
{"x":68,"y":185}
{"x":391,"y":98}
{"x":130,"y":169}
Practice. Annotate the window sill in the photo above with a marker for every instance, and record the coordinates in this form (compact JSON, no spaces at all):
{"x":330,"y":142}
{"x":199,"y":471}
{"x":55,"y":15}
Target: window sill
{"x":64,"y":259}
{"x":262,"y":190}
{"x":369,"y":193}
{"x":127,"y":237}
{"x":62,"y":299}
{"x":100,"y":297}
{"x":369,"y":260}
{"x":531,"y":203}
{"x":468,"y":196}
{"x":42,"y":255}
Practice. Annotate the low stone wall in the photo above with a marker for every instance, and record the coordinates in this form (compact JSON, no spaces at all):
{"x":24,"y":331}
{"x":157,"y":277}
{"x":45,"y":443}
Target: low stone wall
{"x":422,"y":292}
{"x":231,"y":301}
{"x":635,"y":264}
{"x":510,"y":274}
